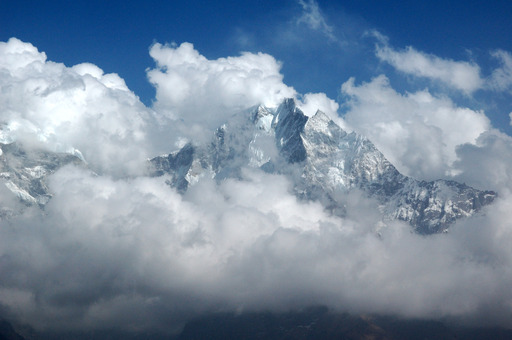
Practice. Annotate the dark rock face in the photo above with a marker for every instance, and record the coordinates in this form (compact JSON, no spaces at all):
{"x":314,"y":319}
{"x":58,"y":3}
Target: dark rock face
{"x":180,"y":162}
{"x":288,"y":125}
{"x":320,"y":323}
{"x":329,"y":161}
{"x":7,"y":332}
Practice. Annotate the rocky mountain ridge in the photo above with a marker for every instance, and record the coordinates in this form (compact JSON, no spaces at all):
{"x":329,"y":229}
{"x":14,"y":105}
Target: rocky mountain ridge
{"x":324,"y":162}
{"x":24,"y":172}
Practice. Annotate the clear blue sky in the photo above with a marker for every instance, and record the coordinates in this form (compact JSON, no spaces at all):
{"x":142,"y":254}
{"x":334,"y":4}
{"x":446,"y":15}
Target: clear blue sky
{"x":116,"y":35}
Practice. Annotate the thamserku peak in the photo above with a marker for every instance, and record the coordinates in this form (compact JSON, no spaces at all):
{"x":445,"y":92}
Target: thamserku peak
{"x":322,"y":161}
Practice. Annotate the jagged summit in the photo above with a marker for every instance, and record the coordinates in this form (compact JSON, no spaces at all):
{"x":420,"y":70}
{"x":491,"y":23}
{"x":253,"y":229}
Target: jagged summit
{"x":323,"y":162}
{"x":329,"y":161}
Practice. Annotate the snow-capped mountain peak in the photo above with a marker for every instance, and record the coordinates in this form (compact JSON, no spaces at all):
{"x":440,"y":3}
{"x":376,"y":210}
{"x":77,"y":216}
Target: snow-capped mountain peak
{"x":321,"y":160}
{"x":330,"y":161}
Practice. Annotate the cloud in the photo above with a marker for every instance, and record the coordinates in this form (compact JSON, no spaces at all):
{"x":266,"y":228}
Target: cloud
{"x":133,"y":254}
{"x":313,"y":18}
{"x":418,"y":132}
{"x":112,"y":251}
{"x":17,"y":55}
{"x":196,"y":95}
{"x":312,"y":102}
{"x":501,"y":77}
{"x":460,"y":75}
{"x":204,"y":93}
{"x":75,"y":109}
{"x":487,"y":162}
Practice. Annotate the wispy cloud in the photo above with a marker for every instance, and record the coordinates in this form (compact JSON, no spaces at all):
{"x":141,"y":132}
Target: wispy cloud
{"x":463,"y":76}
{"x":314,"y":19}
{"x":501,"y":78}
{"x":460,"y":75}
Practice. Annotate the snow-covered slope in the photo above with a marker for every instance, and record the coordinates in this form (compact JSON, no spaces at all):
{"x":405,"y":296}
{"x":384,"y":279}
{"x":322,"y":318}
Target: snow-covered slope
{"x":323,"y":161}
{"x":24,"y":171}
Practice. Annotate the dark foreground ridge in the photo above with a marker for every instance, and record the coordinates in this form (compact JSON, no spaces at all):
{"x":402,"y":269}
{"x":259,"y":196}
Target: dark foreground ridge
{"x":7,"y":332}
{"x":315,"y":323}
{"x":320,"y":323}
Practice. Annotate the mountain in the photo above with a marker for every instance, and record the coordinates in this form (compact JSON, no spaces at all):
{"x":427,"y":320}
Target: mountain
{"x":324,"y":162}
{"x":312,"y":323}
{"x":321,"y":323}
{"x":24,"y":172}
{"x":7,"y":332}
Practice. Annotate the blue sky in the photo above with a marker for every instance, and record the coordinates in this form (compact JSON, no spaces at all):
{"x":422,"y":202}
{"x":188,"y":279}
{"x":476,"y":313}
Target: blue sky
{"x":116,"y":36}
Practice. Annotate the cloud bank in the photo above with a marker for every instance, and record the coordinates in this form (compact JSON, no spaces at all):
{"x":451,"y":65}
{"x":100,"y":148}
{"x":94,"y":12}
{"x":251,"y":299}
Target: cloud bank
{"x":117,"y":249}
{"x":75,"y":109}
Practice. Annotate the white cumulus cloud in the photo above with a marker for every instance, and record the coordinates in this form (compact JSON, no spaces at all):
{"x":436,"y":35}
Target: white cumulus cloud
{"x":312,"y":102}
{"x":418,"y":132}
{"x":48,"y":105}
{"x":204,"y":93}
